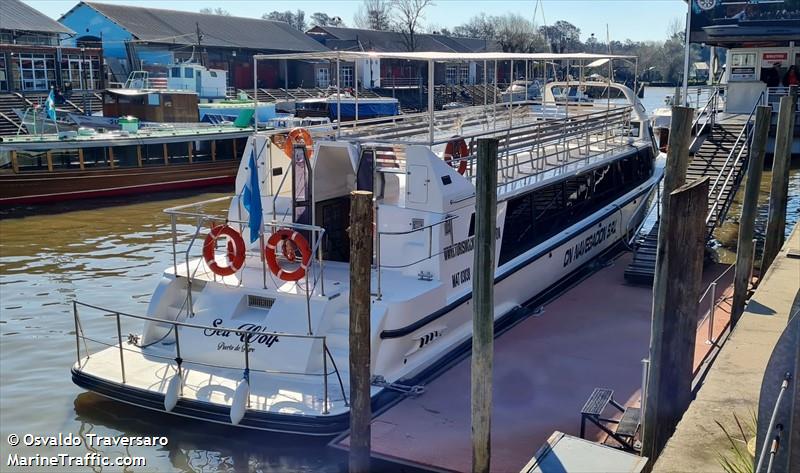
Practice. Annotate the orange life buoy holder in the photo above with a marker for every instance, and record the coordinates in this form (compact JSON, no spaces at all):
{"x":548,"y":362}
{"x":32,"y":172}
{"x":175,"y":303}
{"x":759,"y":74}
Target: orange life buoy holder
{"x":287,"y":236}
{"x":457,"y":149}
{"x":235,"y":250}
{"x":298,"y":136}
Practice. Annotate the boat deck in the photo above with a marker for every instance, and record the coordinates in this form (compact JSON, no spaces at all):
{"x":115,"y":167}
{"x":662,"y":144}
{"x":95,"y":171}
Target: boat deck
{"x":545,"y":368}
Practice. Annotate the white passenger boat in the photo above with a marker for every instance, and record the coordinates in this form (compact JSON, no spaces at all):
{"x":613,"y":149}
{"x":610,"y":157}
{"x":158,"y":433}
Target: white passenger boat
{"x":256,"y":334}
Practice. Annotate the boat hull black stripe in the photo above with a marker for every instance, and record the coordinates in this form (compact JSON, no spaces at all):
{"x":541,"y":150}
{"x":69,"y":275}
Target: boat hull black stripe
{"x":408,"y":329}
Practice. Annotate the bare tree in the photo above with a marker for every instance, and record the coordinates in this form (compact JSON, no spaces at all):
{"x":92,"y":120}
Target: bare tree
{"x":480,"y":26}
{"x":374,"y":15}
{"x":215,"y":11}
{"x":296,"y":19}
{"x":323,"y":19}
{"x":409,"y":17}
{"x":516,"y":34}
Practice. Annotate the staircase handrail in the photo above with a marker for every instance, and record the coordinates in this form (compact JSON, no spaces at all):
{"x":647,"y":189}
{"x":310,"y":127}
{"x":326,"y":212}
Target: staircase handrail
{"x":709,"y":108}
{"x":741,"y":140}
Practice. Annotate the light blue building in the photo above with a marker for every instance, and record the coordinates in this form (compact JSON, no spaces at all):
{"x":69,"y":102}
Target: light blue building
{"x":137,"y":38}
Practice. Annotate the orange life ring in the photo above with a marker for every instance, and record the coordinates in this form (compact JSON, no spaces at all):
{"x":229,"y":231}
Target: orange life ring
{"x":456,"y":149}
{"x":235,"y":250}
{"x":297,"y":136}
{"x":299,"y":242}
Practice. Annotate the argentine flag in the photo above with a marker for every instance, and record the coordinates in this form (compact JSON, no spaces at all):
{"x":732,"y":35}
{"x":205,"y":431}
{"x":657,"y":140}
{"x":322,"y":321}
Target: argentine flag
{"x":50,"y":106}
{"x":251,"y":198}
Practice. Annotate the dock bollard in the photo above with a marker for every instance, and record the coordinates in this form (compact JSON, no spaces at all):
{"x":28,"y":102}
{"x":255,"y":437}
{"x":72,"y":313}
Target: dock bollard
{"x":710,"y":338}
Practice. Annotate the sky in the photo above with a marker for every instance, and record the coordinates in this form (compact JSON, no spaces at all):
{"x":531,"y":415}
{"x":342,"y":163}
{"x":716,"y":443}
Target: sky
{"x":637,"y":20}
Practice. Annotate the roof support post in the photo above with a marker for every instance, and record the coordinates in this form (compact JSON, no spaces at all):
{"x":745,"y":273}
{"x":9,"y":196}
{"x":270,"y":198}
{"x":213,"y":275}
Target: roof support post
{"x":255,"y":93}
{"x":338,"y":97}
{"x":430,"y":100}
{"x":355,"y":83}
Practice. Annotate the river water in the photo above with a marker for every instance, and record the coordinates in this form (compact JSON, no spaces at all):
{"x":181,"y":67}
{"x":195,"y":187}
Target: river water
{"x":111,"y":254}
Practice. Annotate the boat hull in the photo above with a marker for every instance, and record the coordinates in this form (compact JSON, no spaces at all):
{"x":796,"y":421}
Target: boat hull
{"x":333,"y":424}
{"x":45,"y":187}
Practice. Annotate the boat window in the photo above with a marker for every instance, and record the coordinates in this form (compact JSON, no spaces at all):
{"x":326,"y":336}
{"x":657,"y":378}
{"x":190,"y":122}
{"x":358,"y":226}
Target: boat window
{"x":212,"y":73}
{"x":537,"y":216}
{"x":125,"y":156}
{"x":152,"y":155}
{"x":188,"y":73}
{"x":176,"y":72}
{"x":201,"y":151}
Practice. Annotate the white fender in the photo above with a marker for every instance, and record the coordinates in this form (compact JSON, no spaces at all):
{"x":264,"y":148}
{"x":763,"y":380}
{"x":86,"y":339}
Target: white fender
{"x":239,"y":404}
{"x":173,"y":392}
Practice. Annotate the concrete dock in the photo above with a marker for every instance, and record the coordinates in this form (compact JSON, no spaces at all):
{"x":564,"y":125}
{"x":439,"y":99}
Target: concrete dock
{"x":734,"y":381}
{"x":546,"y":366}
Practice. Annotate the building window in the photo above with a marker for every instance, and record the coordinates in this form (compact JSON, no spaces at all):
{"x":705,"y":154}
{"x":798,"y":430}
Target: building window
{"x":3,"y":77}
{"x":323,"y":77}
{"x":347,"y":76}
{"x":80,"y":70}
{"x":464,"y":73}
{"x":451,"y":74}
{"x":36,"y":71}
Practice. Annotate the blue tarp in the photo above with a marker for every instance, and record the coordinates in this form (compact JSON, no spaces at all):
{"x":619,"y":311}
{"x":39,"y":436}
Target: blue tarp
{"x":365,"y":110}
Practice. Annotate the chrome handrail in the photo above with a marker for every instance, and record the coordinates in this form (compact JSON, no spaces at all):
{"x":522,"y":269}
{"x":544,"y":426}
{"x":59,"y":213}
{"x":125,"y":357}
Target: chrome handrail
{"x":709,"y":108}
{"x":741,"y":139}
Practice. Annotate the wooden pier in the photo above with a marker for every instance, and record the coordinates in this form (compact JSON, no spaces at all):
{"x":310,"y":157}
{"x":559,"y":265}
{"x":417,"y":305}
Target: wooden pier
{"x":545,"y":368}
{"x":733,"y":384}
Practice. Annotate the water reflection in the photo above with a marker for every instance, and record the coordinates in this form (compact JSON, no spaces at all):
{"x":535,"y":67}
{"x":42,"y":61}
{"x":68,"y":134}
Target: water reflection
{"x":205,"y":447}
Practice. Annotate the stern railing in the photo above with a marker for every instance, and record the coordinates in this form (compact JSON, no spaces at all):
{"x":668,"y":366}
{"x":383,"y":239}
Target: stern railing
{"x":180,"y":360}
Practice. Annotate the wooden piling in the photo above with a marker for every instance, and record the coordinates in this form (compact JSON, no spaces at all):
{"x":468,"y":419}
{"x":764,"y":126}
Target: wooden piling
{"x":745,"y":250}
{"x":483,"y":303}
{"x":674,"y":324}
{"x":680,"y":137}
{"x":779,"y":191}
{"x":674,"y":177}
{"x":360,"y":273}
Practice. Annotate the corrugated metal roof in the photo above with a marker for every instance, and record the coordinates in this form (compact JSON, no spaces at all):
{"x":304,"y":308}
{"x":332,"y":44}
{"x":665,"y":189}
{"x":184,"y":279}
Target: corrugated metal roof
{"x":391,"y":41}
{"x":15,"y":15}
{"x":171,"y":26}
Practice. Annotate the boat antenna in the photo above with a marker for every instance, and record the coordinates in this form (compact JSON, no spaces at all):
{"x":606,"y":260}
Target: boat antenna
{"x":539,"y":6}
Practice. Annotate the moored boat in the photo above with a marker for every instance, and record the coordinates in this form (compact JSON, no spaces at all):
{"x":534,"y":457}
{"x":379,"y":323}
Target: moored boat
{"x":256,"y":335}
{"x":37,"y":169}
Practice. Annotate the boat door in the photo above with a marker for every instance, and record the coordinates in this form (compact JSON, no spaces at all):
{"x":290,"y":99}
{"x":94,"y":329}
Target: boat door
{"x":198,"y":82}
{"x":301,"y":186}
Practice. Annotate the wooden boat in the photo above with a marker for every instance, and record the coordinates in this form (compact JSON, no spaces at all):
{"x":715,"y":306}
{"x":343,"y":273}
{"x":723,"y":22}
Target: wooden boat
{"x":85,"y":164}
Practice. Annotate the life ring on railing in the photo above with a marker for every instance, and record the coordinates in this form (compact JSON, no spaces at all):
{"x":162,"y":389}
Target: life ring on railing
{"x":235,"y":250}
{"x":298,"y":241}
{"x":298,"y":136}
{"x":457,"y":149}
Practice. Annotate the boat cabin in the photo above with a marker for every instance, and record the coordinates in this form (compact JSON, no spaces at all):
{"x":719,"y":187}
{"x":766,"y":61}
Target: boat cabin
{"x":164,"y":106}
{"x":207,"y":83}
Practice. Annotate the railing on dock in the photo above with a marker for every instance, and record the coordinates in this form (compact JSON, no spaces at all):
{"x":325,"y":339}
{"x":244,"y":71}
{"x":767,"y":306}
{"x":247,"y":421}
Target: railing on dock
{"x":728,"y":178}
{"x":180,"y":360}
{"x":706,"y":116}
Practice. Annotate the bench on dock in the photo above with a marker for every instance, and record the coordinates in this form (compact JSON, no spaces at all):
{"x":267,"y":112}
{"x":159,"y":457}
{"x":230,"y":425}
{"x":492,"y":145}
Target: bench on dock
{"x":626,"y":426}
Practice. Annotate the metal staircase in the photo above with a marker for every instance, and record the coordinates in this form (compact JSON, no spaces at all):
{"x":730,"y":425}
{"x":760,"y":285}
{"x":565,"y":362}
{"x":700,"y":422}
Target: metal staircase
{"x":722,"y":157}
{"x":9,"y":122}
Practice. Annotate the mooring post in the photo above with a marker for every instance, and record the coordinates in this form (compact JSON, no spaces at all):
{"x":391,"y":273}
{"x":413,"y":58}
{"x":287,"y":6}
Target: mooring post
{"x":680,"y":138}
{"x":360,"y":264}
{"x":779,"y":191}
{"x":747,"y":221}
{"x":674,"y":324}
{"x":483,"y":304}
{"x":674,"y":177}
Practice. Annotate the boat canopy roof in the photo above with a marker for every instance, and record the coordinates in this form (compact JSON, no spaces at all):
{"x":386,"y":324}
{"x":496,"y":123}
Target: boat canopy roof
{"x":138,"y":92}
{"x":442,"y":57}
